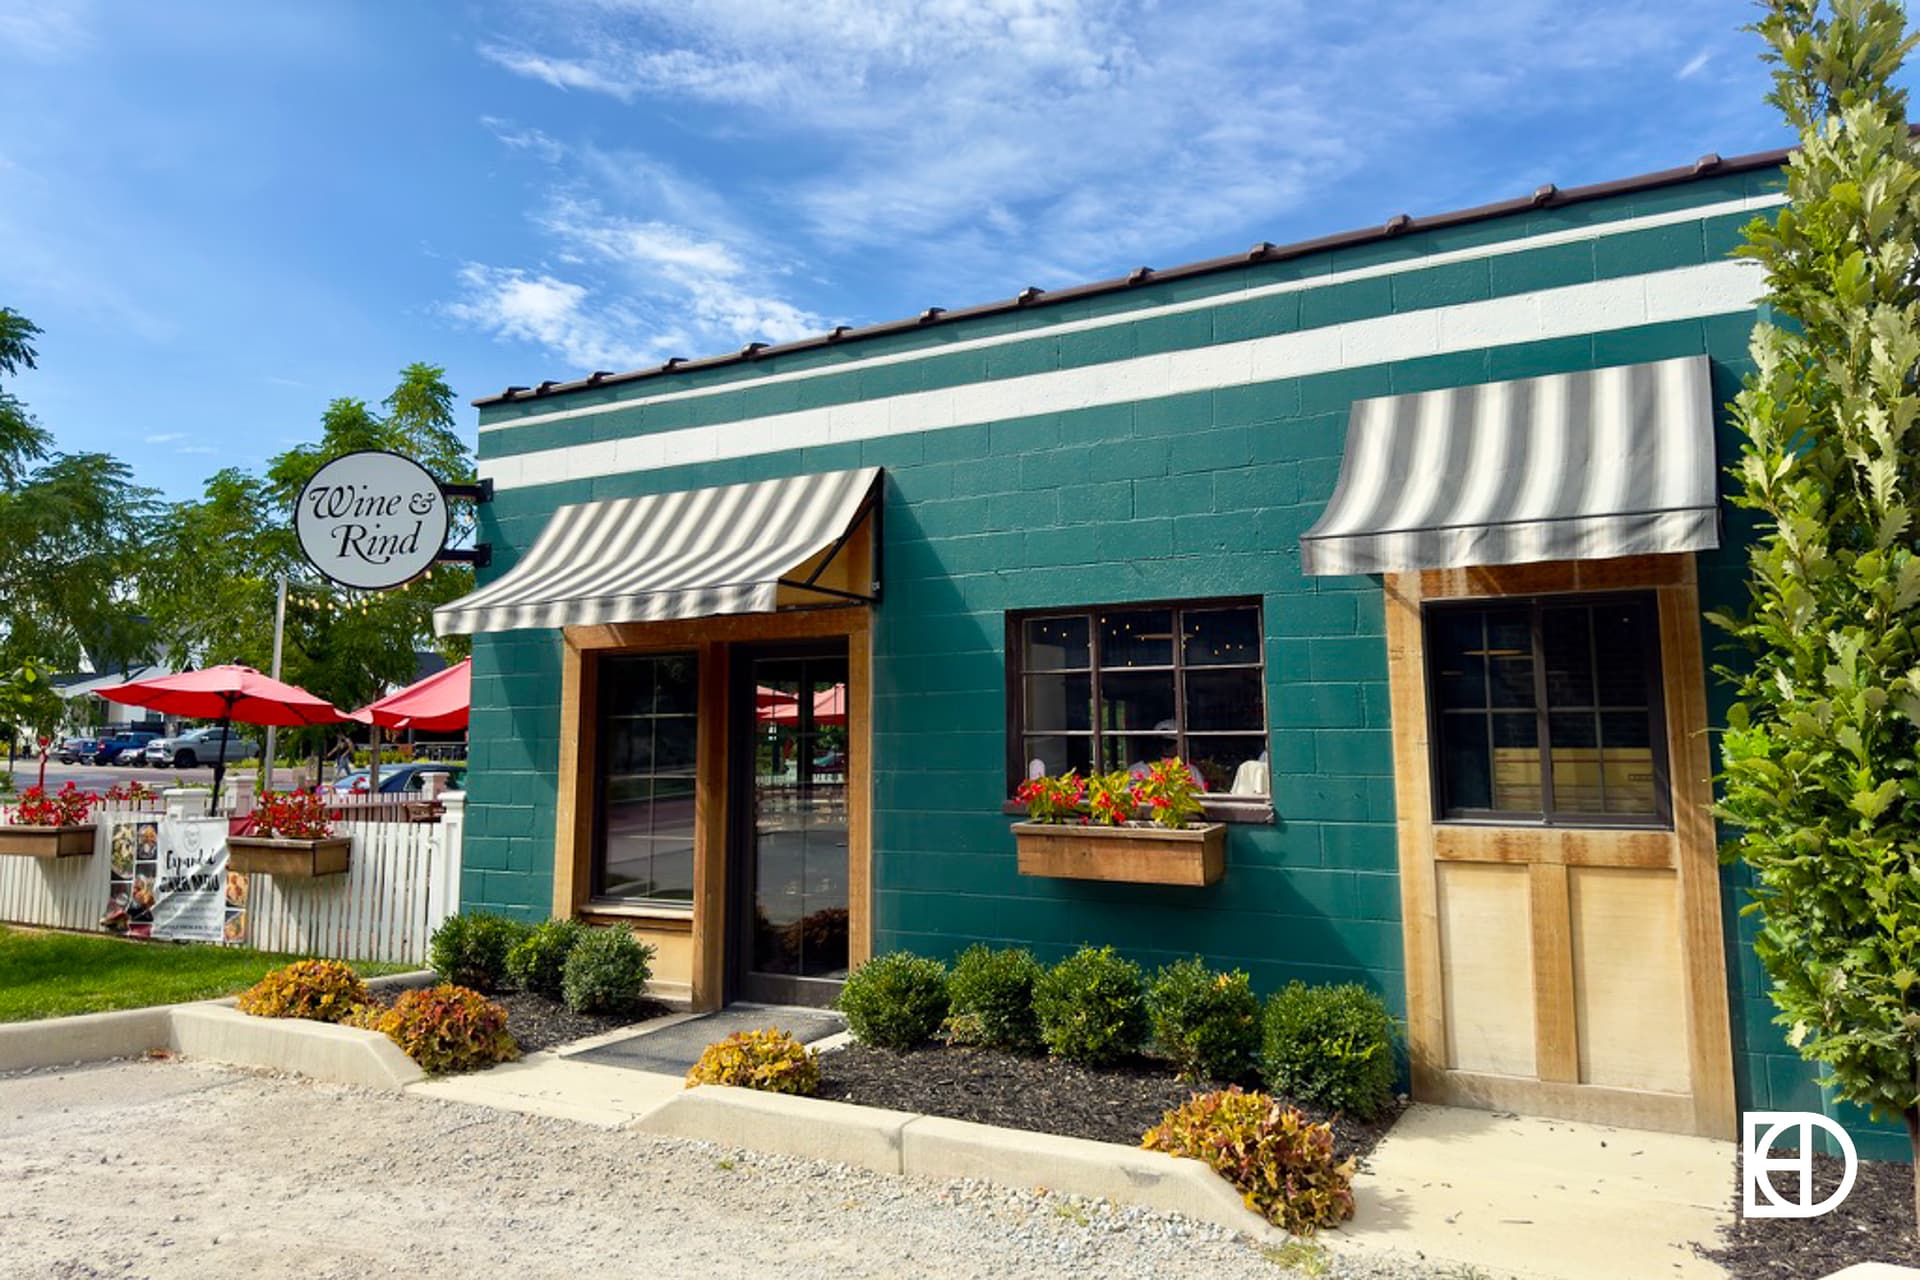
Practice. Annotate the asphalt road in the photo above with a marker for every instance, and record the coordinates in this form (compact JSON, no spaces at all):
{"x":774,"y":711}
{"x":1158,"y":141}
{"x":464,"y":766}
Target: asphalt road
{"x":90,"y":777}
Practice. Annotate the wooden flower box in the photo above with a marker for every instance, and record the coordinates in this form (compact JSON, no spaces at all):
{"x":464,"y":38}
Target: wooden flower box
{"x":1136,"y":853}
{"x":47,"y":842}
{"x":288,"y":859}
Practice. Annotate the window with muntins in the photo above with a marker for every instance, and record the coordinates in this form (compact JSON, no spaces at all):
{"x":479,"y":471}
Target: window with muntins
{"x":1101,"y":689}
{"x":649,"y":730}
{"x":1548,"y":711}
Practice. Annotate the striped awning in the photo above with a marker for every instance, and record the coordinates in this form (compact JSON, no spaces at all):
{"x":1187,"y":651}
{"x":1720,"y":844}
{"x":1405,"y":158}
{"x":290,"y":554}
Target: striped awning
{"x":1574,"y":466}
{"x":697,"y":553}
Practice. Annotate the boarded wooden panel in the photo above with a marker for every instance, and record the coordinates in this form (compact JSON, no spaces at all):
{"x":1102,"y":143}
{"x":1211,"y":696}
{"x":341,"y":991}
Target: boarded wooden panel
{"x":1571,"y":846}
{"x":1554,"y":1037}
{"x":1629,"y":979}
{"x":1486,"y":963}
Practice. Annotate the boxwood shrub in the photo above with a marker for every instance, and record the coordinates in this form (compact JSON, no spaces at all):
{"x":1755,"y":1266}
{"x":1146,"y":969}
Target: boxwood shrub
{"x":1092,"y":1007}
{"x":895,"y":1001}
{"x":538,"y":961}
{"x":606,"y":971}
{"x":992,"y":998}
{"x":1331,"y":1046}
{"x":470,"y":949}
{"x":1207,"y":1023}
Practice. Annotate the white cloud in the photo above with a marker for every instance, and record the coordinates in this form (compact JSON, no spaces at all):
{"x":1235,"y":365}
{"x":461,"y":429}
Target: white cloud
{"x":42,"y":30}
{"x":165,"y":437}
{"x":1695,"y":65}
{"x":968,"y":147}
{"x":512,"y":304}
{"x":1063,"y":136}
{"x":511,"y":135}
{"x":644,"y":264}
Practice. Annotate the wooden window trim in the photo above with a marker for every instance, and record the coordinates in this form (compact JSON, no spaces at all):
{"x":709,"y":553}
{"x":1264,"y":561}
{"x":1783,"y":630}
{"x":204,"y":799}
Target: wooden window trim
{"x":1220,"y":806}
{"x":1548,"y":816}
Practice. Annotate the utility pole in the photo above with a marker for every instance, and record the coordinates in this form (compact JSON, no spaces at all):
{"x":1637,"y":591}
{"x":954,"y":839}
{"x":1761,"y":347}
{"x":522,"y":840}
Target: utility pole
{"x":279,"y":635}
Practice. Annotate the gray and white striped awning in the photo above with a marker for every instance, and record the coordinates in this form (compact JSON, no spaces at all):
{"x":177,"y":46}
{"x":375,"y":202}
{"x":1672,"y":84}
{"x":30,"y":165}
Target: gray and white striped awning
{"x":697,"y":553}
{"x":1574,"y":466}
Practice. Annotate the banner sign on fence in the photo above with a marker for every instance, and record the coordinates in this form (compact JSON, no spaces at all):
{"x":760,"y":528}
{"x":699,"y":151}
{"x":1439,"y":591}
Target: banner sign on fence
{"x":190,"y":890}
{"x":168,"y":878}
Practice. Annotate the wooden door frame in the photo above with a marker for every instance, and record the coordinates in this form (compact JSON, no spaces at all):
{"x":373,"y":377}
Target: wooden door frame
{"x":1690,"y":849}
{"x":712,"y":640}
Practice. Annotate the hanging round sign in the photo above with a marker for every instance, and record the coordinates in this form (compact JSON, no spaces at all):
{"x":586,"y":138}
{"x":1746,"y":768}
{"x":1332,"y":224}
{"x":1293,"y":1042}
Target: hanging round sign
{"x":371,"y":520}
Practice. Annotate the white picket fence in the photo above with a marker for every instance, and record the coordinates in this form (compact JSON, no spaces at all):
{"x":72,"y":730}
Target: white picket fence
{"x":65,"y":893}
{"x":402,"y":880}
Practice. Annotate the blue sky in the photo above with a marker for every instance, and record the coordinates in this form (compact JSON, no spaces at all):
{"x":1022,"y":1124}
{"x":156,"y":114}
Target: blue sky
{"x":224,"y":215}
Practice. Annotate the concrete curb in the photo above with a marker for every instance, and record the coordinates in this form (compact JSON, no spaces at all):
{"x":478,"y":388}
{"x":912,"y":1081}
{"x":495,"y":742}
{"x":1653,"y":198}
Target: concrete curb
{"x":411,"y":980}
{"x":935,"y":1147}
{"x":320,"y":1050}
{"x":837,"y":1132}
{"x":133,"y":1033}
{"x":85,"y":1037}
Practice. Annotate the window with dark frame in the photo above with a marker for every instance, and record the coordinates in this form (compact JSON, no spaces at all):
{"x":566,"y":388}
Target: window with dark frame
{"x":1101,"y":689}
{"x":645,"y":759}
{"x":1548,"y":711}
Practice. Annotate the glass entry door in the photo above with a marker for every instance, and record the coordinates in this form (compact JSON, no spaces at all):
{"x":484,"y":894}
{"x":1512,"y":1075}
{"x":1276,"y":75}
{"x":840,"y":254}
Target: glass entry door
{"x":789,"y":825}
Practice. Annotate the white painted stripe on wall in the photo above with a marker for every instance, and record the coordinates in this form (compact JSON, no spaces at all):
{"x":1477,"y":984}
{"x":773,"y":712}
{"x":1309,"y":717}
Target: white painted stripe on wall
{"x":1571,"y":235}
{"x":1717,"y":288}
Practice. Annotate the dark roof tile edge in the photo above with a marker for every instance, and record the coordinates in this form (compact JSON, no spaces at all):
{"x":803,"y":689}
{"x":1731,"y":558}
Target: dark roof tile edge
{"x":1545,"y":197}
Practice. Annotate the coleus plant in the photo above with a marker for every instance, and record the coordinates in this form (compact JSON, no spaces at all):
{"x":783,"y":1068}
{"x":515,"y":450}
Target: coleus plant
{"x":67,"y":807}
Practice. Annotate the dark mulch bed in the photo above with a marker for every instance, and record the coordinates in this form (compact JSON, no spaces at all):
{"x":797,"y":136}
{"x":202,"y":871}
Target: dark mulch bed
{"x":1874,"y":1224}
{"x":1044,"y":1095}
{"x":537,"y":1022}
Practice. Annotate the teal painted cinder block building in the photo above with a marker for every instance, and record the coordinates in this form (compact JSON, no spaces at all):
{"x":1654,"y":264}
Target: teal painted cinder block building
{"x":1400,"y":538}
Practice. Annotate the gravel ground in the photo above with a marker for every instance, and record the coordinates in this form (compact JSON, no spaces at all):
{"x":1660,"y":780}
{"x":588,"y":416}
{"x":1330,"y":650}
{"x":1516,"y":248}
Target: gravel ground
{"x":181,"y":1169}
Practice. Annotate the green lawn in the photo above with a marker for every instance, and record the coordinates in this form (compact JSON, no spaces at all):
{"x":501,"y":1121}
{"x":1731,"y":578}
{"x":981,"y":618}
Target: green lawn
{"x":52,"y":975}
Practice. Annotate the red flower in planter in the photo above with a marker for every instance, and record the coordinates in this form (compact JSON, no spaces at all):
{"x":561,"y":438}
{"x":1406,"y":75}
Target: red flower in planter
{"x":1052,"y":799}
{"x":67,"y":807}
{"x":294,"y":815}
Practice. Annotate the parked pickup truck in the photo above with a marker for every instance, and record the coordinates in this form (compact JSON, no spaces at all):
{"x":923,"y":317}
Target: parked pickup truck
{"x":198,"y":746}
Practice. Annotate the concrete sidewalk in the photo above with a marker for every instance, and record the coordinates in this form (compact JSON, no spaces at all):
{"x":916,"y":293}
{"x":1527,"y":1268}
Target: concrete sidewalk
{"x":1508,"y":1195}
{"x":1546,"y":1198}
{"x":546,"y":1084}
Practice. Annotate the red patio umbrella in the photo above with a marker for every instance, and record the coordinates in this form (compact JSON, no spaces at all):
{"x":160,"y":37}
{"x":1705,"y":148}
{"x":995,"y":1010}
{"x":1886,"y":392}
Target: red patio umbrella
{"x":226,"y":693}
{"x":829,"y":707}
{"x":439,"y":703}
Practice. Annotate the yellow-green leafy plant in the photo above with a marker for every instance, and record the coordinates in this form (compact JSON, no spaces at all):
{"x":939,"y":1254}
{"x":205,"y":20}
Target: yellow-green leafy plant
{"x":446,"y":1029}
{"x":1110,"y":799}
{"x":768,"y":1059}
{"x":320,"y":990}
{"x":1168,"y":792}
{"x":1282,"y":1163}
